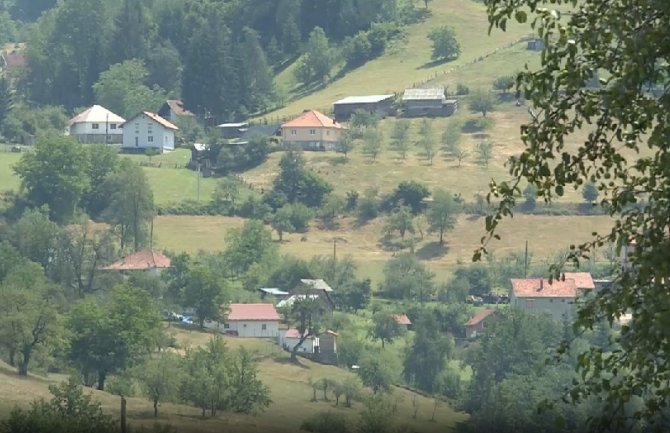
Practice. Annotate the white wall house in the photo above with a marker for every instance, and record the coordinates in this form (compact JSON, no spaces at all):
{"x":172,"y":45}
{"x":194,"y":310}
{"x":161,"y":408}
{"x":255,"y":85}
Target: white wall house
{"x":96,"y":125}
{"x":537,"y":295}
{"x":289,"y":338}
{"x":148,"y":130}
{"x":249,"y":320}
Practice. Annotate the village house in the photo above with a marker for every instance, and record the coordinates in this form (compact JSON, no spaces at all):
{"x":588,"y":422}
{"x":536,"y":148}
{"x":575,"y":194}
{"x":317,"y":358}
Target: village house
{"x":273,"y":293}
{"x":96,"y":125}
{"x":146,"y":260}
{"x":379,"y":105}
{"x":312,"y":130}
{"x":289,"y":338}
{"x":173,"y":110}
{"x":250,"y":320}
{"x":538,"y":295}
{"x":477,"y":323}
{"x":427,"y":103}
{"x":403,"y":321}
{"x":148,"y":131}
{"x":232,"y":130}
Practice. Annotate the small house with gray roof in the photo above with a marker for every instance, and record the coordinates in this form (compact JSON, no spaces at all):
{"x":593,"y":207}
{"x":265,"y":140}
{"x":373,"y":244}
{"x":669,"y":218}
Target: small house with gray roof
{"x":427,"y":103}
{"x":379,"y":105}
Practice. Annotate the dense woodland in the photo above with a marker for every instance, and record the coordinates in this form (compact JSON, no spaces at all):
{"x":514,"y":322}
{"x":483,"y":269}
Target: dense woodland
{"x":218,"y":56}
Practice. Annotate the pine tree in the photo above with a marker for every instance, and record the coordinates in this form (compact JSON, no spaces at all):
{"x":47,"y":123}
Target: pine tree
{"x":133,"y":33}
{"x":5,"y":100}
{"x":260,"y":90}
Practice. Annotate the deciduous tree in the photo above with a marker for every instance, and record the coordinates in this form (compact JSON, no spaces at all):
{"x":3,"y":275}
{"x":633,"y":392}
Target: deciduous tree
{"x":481,"y":101}
{"x":385,"y":328}
{"x":160,"y":377}
{"x":445,"y":45}
{"x":442,"y":212}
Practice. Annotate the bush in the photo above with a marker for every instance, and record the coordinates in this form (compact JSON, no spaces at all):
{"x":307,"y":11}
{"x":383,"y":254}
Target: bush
{"x":451,"y":384}
{"x":368,"y":207}
{"x":478,"y":124}
{"x":462,"y":89}
{"x":357,"y":50}
{"x":300,"y":216}
{"x":325,"y":422}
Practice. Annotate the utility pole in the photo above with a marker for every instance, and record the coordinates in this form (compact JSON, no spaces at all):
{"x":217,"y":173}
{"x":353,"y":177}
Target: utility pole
{"x":334,"y":249}
{"x":107,"y":128}
{"x":197,"y":183}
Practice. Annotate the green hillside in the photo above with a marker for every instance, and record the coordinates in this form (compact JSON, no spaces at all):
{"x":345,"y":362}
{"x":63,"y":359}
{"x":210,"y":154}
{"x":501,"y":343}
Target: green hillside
{"x":409,"y":63}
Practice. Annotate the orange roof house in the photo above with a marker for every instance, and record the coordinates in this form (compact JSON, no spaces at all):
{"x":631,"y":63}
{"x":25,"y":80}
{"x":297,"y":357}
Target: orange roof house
{"x":477,"y":323}
{"x":539,"y":295}
{"x":252,"y":312}
{"x":251,"y":320}
{"x":583,"y":280}
{"x":312,"y":130}
{"x":403,"y":320}
{"x":140,"y":261}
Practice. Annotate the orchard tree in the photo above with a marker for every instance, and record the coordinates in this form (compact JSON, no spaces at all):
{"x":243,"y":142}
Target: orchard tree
{"x":442,"y":212}
{"x":481,"y":101}
{"x":372,"y":143}
{"x":55,"y":175}
{"x":445,"y":45}
{"x":346,"y":143}
{"x":625,"y":153}
{"x":485,"y":152}
{"x":590,"y":192}
{"x":400,"y":221}
{"x":427,"y":140}
{"x":385,"y":328}
{"x":375,"y":373}
{"x":451,"y":137}
{"x":160,"y":378}
{"x":400,"y":137}
{"x":504,"y":84}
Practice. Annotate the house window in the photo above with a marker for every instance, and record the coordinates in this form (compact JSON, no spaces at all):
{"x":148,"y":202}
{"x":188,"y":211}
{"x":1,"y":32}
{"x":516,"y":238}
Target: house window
{"x":312,"y":132}
{"x":294,"y":132}
{"x":95,"y":126}
{"x":530,"y":303}
{"x":226,"y":326}
{"x":150,"y":139}
{"x":327,"y":132}
{"x":112,"y":126}
{"x":137,"y":124}
{"x":264,"y":327}
{"x":244,"y":325}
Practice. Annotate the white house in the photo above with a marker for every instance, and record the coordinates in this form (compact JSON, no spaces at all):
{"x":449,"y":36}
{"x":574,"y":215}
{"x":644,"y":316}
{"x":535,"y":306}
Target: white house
{"x":289,"y":338}
{"x":96,"y":125}
{"x":148,"y":130}
{"x":249,"y":320}
{"x":538,"y":295}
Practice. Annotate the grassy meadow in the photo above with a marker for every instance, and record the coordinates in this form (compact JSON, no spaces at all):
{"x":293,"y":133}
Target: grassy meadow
{"x":288,"y":383}
{"x":546,"y":236}
{"x":409,"y":62}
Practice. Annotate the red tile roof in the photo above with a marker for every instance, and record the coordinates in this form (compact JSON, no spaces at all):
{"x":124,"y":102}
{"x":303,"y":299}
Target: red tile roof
{"x":252,"y":312}
{"x":540,"y":288}
{"x":312,"y":119}
{"x":477,"y":318}
{"x":178,"y":107}
{"x":583,"y":280}
{"x":141,"y":260}
{"x":402,"y":319}
{"x":294,"y":333}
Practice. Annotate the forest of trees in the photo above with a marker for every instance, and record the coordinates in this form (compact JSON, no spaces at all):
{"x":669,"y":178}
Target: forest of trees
{"x":219,"y":57}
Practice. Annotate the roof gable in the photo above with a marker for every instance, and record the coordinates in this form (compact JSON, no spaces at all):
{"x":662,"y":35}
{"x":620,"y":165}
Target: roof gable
{"x":96,"y":114}
{"x":479,"y":317}
{"x":366,"y":99}
{"x":252,"y":312}
{"x":141,"y":260}
{"x":177,"y":107}
{"x":312,"y":119}
{"x":583,"y":280}
{"x":155,"y":118}
{"x":542,"y":288}
{"x":402,"y":319}
{"x":317,"y":284}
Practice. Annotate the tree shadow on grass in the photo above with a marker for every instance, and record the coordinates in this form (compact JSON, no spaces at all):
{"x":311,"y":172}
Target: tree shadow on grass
{"x":432,"y":250}
{"x":434,"y":63}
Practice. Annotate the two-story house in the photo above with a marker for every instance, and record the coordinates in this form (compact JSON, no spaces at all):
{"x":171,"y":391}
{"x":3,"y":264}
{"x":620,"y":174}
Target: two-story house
{"x":148,"y":130}
{"x":556,"y":298}
{"x":312,"y":130}
{"x":96,"y":125}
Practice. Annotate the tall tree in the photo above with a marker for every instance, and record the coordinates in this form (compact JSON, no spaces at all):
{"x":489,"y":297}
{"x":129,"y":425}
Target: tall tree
{"x":160,"y":378}
{"x":427,"y":356}
{"x":133,"y":34}
{"x":445,"y":45}
{"x":111,"y":338}
{"x":5,"y":100}
{"x":317,"y":61}
{"x":305,"y":316}
{"x":131,"y":207}
{"x":36,"y":238}
{"x":249,"y":245}
{"x":442,"y":212}
{"x":248,"y":394}
{"x":400,"y":221}
{"x":260,"y":89}
{"x":55,"y":175}
{"x":298,"y":184}
{"x":30,"y":318}
{"x":405,"y":277}
{"x":122,"y":89}
{"x":203,"y":292}
{"x":385,"y":328}
{"x":481,"y":101}
{"x":634,"y":180}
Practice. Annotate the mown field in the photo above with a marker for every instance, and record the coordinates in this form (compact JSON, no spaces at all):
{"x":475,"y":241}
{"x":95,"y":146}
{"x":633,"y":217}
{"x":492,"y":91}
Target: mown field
{"x":546,"y":236}
{"x":289,"y":387}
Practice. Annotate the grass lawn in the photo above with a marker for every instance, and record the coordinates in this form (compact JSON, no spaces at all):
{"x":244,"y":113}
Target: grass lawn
{"x":409,"y":63}
{"x":8,"y":180}
{"x":546,"y":236}
{"x":289,"y":387}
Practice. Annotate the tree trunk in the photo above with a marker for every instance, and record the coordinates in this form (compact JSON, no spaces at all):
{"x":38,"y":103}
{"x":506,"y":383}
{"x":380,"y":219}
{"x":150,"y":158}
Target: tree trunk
{"x":23,"y":365}
{"x":441,"y":236}
{"x":155,"y":408}
{"x":382,"y":343}
{"x":337,"y":400}
{"x":12,"y":357}
{"x":204,"y":411}
{"x":102,"y":375}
